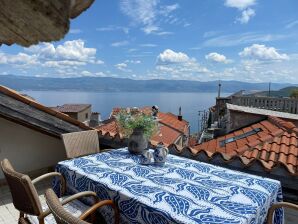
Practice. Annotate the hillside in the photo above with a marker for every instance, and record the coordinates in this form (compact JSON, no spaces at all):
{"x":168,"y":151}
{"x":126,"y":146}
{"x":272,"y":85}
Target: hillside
{"x":107,"y":84}
{"x":284,"y":92}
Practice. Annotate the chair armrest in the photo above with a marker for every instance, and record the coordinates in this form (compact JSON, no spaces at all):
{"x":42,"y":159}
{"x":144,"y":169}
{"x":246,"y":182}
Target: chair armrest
{"x":98,"y":205}
{"x":276,"y":206}
{"x":79,"y":195}
{"x":52,"y":174}
{"x":71,"y":198}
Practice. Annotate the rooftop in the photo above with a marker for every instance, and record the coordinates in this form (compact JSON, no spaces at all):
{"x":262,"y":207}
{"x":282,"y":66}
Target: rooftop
{"x":27,"y":112}
{"x":253,"y":110}
{"x":170,"y":127}
{"x":274,"y":145}
{"x":71,"y":108}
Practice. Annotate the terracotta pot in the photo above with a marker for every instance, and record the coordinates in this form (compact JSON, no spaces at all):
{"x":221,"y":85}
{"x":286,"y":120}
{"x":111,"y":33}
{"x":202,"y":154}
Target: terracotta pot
{"x":137,"y":142}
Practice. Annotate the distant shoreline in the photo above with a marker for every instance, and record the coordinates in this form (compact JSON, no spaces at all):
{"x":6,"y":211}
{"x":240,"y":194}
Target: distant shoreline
{"x":118,"y":85}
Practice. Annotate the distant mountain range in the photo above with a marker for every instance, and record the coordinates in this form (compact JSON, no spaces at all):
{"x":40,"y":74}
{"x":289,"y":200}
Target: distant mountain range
{"x":284,"y":92}
{"x":106,"y":84}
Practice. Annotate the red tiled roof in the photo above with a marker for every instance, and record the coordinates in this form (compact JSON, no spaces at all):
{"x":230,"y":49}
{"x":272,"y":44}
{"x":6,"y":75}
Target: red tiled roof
{"x":277,"y":143}
{"x":192,"y":141}
{"x":71,"y":108}
{"x":109,"y":127}
{"x":171,"y":120}
{"x":166,"y":135}
{"x":170,"y":127}
{"x":167,"y":119}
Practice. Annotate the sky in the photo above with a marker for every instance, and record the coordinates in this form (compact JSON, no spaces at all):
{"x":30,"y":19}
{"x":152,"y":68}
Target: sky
{"x":244,"y":40}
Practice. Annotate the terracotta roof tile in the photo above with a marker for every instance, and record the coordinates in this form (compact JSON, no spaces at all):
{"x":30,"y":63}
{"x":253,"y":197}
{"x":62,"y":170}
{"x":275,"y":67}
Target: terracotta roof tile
{"x":264,"y":155}
{"x":167,"y":119}
{"x":275,"y":144}
{"x":71,"y":108}
{"x":167,"y":134}
{"x":192,"y":141}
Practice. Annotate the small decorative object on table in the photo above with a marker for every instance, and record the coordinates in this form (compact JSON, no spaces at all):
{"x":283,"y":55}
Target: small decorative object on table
{"x":160,"y":154}
{"x":146,"y":157}
{"x":138,"y":127}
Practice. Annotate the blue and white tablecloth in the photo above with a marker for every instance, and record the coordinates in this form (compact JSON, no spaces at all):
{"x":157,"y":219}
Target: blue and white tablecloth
{"x":183,"y":191}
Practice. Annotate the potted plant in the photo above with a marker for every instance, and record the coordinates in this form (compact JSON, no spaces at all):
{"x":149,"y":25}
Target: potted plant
{"x":138,"y":127}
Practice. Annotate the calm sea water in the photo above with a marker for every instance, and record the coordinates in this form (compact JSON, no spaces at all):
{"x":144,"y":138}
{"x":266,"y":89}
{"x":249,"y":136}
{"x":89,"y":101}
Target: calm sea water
{"x":191,"y":103}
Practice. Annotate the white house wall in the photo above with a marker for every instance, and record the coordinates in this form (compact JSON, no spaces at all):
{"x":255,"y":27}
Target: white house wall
{"x":28,"y":150}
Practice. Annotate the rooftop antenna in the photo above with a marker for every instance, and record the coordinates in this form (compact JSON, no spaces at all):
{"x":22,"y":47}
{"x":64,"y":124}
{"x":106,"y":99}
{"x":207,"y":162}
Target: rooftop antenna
{"x":180,"y":114}
{"x":269,"y":90}
{"x":219,"y":88}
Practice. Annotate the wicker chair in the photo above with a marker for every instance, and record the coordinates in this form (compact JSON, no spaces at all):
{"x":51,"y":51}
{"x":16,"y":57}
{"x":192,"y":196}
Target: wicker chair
{"x":25,"y":197}
{"x":64,"y":217}
{"x":276,"y":206}
{"x":80,"y":143}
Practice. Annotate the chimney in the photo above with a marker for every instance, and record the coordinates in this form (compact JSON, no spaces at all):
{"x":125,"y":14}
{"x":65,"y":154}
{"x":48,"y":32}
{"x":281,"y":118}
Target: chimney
{"x":95,"y":119}
{"x":180,"y":115}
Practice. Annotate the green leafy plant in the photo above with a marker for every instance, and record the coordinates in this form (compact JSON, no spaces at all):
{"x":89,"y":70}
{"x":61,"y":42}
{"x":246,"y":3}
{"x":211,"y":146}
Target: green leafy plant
{"x":128,"y":121}
{"x":294,"y":94}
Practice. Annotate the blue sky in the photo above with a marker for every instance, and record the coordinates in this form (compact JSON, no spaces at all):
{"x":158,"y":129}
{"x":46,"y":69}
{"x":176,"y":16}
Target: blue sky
{"x":246,"y":40}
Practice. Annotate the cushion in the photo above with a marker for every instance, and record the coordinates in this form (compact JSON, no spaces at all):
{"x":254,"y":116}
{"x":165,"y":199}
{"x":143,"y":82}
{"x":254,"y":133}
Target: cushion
{"x":76,"y":208}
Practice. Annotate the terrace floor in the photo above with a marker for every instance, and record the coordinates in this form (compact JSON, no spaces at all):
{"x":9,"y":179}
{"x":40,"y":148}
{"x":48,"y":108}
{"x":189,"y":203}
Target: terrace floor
{"x":9,"y":215}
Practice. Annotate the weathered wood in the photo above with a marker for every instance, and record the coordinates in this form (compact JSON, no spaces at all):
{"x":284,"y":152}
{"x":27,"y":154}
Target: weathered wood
{"x":29,"y":22}
{"x":22,"y":112}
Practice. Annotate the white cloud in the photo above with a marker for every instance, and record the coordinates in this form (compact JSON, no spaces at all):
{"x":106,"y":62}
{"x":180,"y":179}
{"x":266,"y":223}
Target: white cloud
{"x":140,"y":11}
{"x":240,"y":4}
{"x":120,"y":43}
{"x":210,"y":33}
{"x":113,"y":28}
{"x":133,"y":61}
{"x":216,"y":57}
{"x":164,"y":33}
{"x":18,"y":59}
{"x":49,"y":59}
{"x":166,"y":10}
{"x":148,"y":45}
{"x":70,"y":50}
{"x":148,"y":14}
{"x":122,"y":67}
{"x":170,"y":56}
{"x":292,"y":24}
{"x":150,"y":29}
{"x":86,"y":73}
{"x":241,"y":38}
{"x":62,"y":63}
{"x":261,"y":52}
{"x":246,"y":15}
{"x":75,"y":31}
{"x":75,"y":50}
{"x":178,"y":65}
{"x":244,"y":6}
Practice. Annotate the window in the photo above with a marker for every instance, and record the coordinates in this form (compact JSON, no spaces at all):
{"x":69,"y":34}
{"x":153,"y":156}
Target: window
{"x":244,"y":135}
{"x":86,"y":115}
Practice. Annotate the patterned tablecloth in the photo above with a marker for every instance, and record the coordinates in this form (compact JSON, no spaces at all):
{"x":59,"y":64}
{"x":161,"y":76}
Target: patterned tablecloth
{"x":183,"y":191}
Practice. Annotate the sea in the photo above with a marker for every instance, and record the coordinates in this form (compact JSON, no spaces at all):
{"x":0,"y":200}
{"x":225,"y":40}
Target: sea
{"x":103,"y":102}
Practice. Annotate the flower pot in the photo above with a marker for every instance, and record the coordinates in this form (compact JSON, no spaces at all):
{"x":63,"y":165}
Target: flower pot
{"x":137,"y":142}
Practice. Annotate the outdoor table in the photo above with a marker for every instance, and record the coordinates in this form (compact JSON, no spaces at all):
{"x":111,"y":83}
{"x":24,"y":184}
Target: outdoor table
{"x":181,"y":191}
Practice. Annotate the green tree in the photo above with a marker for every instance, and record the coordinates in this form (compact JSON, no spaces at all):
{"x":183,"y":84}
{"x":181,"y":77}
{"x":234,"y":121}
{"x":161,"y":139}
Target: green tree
{"x":294,"y":93}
